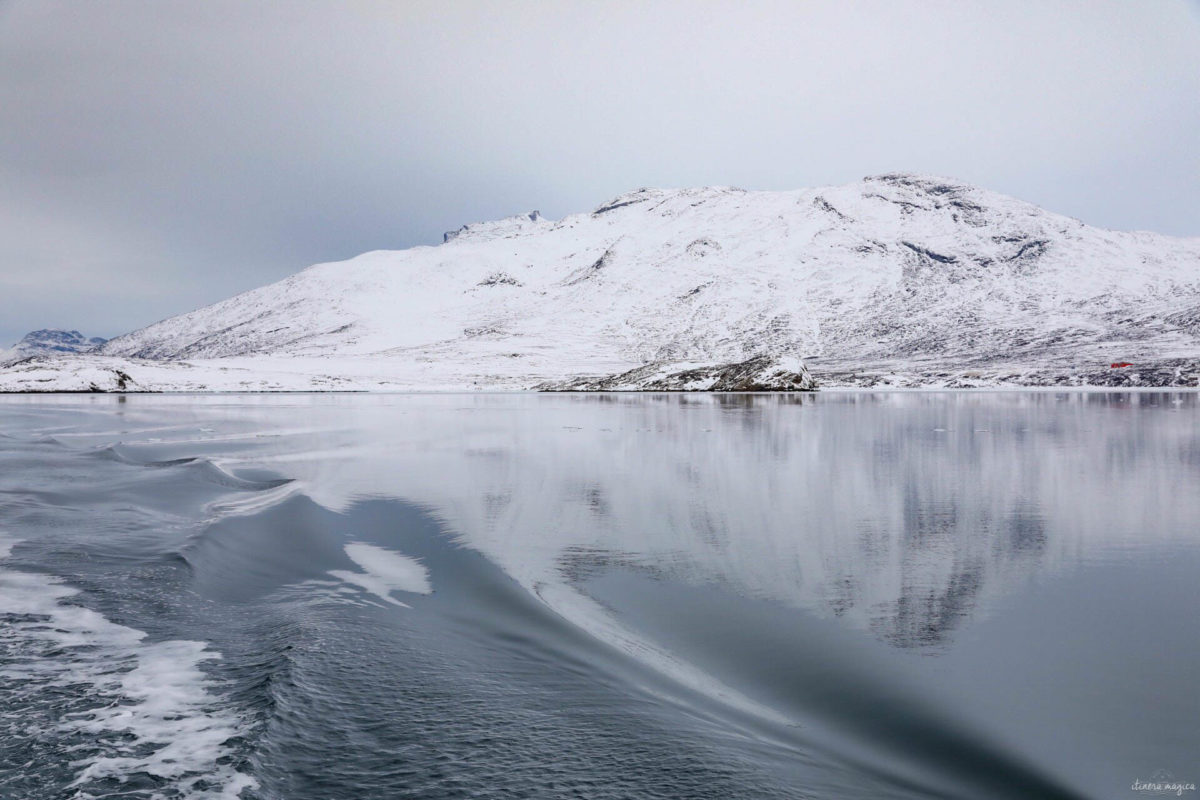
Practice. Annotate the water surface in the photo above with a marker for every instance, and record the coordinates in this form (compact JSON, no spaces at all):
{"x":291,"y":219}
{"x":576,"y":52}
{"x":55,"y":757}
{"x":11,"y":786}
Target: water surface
{"x":984,"y":595}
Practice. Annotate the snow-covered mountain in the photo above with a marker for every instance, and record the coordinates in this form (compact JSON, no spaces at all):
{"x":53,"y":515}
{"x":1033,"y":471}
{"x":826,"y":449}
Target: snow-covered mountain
{"x":50,"y":341}
{"x":896,"y":279}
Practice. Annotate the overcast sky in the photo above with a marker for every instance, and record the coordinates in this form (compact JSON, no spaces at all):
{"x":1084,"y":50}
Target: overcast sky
{"x":159,"y":156}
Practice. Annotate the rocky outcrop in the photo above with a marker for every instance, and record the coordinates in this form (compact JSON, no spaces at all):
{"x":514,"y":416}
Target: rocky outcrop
{"x":49,"y":341}
{"x":759,"y":374}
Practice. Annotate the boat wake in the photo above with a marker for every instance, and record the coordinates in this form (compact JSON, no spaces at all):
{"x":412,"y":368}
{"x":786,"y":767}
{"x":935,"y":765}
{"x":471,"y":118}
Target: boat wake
{"x":126,"y":716}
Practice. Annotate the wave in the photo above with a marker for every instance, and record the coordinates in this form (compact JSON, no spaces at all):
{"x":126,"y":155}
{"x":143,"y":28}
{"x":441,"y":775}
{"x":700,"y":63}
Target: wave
{"x":120,"y":454}
{"x":42,"y":439}
{"x":848,"y":700}
{"x":212,"y":473}
{"x":152,"y":718}
{"x":202,"y":467}
{"x":882,"y":730}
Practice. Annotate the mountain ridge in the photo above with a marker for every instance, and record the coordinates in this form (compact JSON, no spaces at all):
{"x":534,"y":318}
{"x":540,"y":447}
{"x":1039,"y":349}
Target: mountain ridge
{"x":897,"y":279}
{"x":48,"y":341}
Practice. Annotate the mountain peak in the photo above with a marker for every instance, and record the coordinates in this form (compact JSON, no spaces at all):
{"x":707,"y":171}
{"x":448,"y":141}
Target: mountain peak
{"x":929,"y":184}
{"x":48,"y":341}
{"x":492,"y":229}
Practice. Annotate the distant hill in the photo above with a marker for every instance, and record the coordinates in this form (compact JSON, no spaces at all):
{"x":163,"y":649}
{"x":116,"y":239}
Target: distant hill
{"x":51,"y":341}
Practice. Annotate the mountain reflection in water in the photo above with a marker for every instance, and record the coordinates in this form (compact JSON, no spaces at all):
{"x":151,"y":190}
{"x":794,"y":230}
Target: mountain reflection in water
{"x":871,"y":594}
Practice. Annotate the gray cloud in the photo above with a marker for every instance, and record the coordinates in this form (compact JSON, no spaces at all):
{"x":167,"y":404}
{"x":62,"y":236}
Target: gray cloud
{"x":158,"y":156}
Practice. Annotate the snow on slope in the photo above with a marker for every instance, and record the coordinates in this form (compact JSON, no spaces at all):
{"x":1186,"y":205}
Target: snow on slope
{"x":895,"y":279}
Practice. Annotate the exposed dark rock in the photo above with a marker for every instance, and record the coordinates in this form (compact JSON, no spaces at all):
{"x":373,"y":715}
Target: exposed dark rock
{"x":1160,"y":374}
{"x":758,"y":374}
{"x":927,"y":253}
{"x":827,"y":207}
{"x":703,"y":247}
{"x":499,"y":279}
{"x":50,"y":340}
{"x":590,"y":271}
{"x":640,"y":196}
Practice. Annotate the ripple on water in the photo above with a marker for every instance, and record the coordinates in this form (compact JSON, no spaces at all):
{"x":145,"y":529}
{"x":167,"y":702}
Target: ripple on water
{"x":92,"y":708}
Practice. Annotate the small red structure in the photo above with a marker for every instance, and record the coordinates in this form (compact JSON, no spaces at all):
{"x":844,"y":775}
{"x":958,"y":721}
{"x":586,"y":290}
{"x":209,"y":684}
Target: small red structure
{"x":1120,"y":364}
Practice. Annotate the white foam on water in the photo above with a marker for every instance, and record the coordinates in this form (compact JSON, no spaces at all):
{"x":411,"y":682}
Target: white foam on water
{"x":385,"y":572}
{"x":150,"y":709}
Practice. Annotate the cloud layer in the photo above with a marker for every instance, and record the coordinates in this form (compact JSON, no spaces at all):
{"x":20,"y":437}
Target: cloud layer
{"x":158,"y":156}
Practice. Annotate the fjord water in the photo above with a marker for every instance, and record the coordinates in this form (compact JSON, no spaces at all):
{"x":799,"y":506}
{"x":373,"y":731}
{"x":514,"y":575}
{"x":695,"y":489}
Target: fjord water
{"x":906,"y":595}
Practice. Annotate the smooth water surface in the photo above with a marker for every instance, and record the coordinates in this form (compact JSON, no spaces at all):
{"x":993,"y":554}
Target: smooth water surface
{"x":971,"y":595}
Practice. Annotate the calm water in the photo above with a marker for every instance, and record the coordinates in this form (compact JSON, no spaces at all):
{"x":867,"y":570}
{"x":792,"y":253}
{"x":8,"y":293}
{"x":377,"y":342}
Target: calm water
{"x":840,"y":596}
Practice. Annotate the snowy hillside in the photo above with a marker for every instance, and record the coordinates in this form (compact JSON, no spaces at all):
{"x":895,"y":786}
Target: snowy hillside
{"x":896,"y":279}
